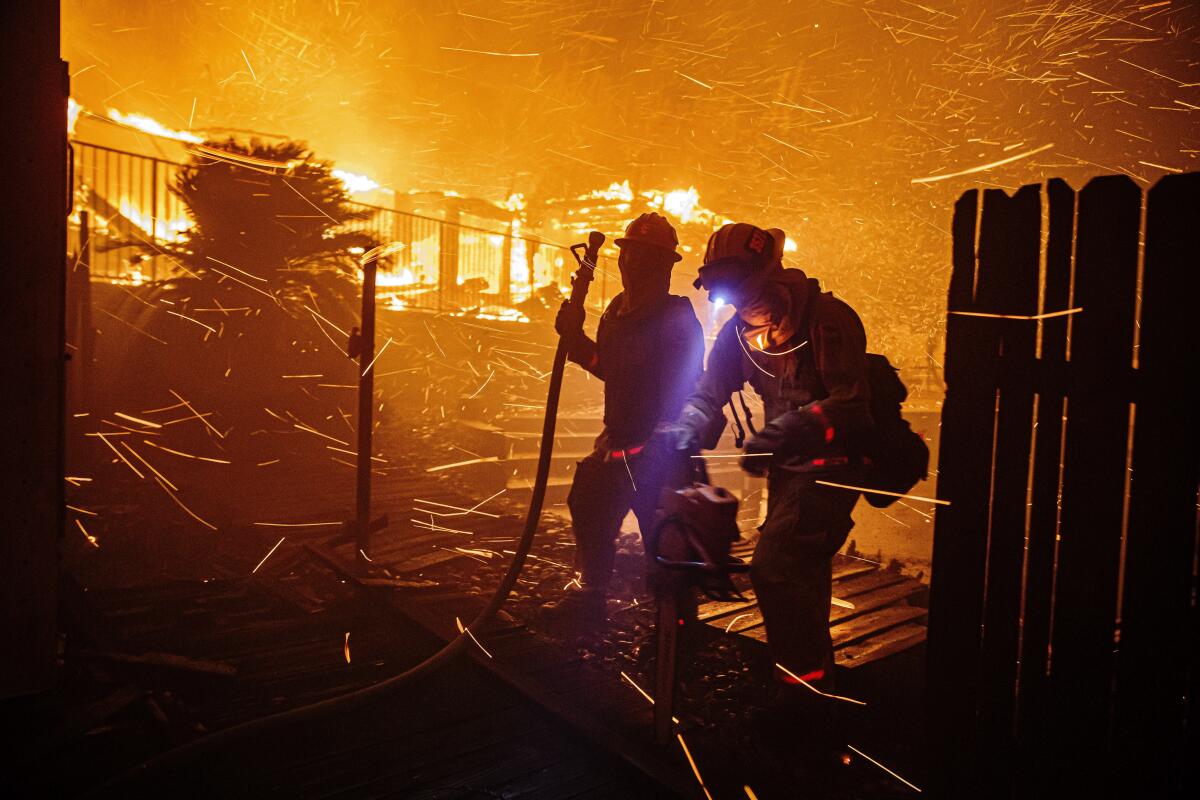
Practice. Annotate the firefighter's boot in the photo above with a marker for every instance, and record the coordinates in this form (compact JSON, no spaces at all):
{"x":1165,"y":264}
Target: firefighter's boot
{"x":575,"y":613}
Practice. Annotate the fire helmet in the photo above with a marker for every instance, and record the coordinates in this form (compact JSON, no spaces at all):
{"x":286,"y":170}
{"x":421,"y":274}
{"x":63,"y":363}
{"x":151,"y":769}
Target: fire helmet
{"x":736,"y":253}
{"x":652,"y":229}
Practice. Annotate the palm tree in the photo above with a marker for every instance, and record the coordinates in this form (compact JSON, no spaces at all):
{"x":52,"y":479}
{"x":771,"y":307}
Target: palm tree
{"x":269,"y":215}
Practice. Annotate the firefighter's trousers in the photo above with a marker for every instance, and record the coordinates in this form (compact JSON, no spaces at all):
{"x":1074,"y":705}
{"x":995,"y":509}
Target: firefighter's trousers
{"x":604,"y":490}
{"x":792,"y":566}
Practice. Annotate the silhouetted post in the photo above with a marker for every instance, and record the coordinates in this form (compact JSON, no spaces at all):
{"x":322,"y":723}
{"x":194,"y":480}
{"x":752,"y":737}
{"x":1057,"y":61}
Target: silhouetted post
{"x":667,"y":630}
{"x":448,"y":290}
{"x":531,"y":249}
{"x":154,"y":216}
{"x":85,"y":334}
{"x":505,"y":288}
{"x":366,"y":402}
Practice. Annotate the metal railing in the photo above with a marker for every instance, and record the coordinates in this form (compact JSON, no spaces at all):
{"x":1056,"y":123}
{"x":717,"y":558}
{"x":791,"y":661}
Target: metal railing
{"x":126,"y":198}
{"x":463,"y":262}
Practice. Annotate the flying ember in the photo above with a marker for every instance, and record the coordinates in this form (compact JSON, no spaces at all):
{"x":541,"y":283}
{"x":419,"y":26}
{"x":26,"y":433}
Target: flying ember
{"x":712,"y":399}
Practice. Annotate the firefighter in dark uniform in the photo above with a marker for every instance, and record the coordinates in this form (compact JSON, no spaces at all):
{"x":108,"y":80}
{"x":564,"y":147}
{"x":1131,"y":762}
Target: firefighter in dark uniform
{"x":804,"y":352}
{"x":649,"y":351}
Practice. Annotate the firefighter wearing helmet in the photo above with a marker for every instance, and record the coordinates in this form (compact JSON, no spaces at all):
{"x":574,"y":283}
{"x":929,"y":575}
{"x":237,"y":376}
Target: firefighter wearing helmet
{"x":649,"y":351}
{"x":804,"y":352}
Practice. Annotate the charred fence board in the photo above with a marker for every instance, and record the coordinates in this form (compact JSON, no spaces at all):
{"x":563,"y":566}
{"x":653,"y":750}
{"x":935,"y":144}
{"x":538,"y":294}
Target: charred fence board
{"x":1069,"y":459}
{"x":964,"y":467}
{"x":1094,"y":470}
{"x":1009,"y":241}
{"x":1047,"y":458}
{"x":1157,"y":618}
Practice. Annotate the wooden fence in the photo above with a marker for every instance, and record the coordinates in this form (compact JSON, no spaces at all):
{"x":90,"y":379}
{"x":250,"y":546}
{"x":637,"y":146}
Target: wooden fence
{"x":1063,"y":619}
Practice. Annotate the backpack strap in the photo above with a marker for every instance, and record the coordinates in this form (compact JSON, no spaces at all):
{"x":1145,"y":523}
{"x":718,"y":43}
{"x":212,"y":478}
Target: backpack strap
{"x":739,"y":433}
{"x":746,"y":411}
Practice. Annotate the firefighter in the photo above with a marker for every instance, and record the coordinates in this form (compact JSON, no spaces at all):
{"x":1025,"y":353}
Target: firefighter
{"x":804,"y":352}
{"x":649,"y":351}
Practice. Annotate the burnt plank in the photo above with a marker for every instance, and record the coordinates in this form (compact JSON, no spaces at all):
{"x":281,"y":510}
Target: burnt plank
{"x":1158,"y":643}
{"x":889,"y":643}
{"x":429,"y":559}
{"x":717,"y":609}
{"x":1094,"y":470}
{"x":845,"y":567}
{"x":885,"y":596}
{"x":750,"y":620}
{"x":1009,"y":256}
{"x":870,"y":582}
{"x":1032,"y":701}
{"x":752,"y":625}
{"x":848,"y":580}
{"x":964,"y":465}
{"x":856,"y":629}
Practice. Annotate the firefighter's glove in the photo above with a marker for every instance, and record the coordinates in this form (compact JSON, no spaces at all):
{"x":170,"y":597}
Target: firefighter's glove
{"x":685,"y":434}
{"x":676,"y":438}
{"x":793,"y":435}
{"x":759,"y":453}
{"x":569,"y":322}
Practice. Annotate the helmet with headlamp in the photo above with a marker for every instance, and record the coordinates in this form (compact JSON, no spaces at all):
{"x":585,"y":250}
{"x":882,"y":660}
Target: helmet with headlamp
{"x":738,"y":257}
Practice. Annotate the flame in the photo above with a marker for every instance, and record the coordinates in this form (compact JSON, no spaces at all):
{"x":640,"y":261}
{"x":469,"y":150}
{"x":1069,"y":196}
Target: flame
{"x":498,"y":314}
{"x":152,"y":126}
{"x":615,"y":191}
{"x":682,"y":202}
{"x":73,"y":109}
{"x":354,"y":182}
{"x":515,"y":202}
{"x":403,"y":277}
{"x":170,"y":230}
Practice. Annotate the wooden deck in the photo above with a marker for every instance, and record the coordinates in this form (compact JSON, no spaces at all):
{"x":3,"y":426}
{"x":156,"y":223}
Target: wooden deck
{"x":875,"y":612}
{"x":171,"y":661}
{"x":282,"y":632}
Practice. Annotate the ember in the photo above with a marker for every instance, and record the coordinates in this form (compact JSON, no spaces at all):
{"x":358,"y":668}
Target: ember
{"x":420,"y":286}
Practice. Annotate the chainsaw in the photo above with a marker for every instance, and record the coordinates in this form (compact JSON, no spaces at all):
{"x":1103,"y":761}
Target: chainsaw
{"x":695,"y":530}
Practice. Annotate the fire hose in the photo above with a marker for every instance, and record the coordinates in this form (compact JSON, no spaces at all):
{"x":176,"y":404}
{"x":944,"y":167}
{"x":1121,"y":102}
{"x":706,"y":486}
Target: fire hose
{"x":360,"y":697}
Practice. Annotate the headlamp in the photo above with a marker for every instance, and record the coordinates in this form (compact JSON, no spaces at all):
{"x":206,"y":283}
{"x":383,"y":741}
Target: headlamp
{"x":723,"y":276}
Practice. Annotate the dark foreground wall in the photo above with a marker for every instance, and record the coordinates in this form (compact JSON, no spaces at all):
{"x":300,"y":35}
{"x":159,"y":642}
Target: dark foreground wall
{"x":32,"y":238}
